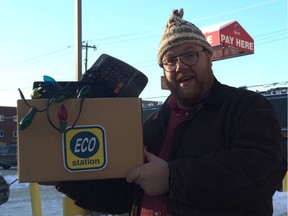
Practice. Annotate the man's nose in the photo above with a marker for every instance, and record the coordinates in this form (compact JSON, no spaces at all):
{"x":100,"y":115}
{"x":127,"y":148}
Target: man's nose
{"x":180,"y":65}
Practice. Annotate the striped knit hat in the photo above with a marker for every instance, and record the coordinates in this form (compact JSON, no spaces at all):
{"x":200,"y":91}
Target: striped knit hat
{"x":177,"y":32}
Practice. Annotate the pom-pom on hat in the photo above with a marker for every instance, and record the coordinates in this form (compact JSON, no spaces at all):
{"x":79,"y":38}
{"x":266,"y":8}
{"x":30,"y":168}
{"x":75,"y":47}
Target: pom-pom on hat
{"x":177,"y":32}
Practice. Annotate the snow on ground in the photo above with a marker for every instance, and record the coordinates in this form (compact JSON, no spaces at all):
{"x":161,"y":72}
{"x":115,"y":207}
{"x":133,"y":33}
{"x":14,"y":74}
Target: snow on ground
{"x":19,"y":203}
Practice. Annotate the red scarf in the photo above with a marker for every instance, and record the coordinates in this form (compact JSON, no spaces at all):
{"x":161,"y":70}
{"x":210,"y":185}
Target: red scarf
{"x":151,"y":205}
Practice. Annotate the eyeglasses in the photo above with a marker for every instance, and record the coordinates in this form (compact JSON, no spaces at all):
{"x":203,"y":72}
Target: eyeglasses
{"x":189,"y":58}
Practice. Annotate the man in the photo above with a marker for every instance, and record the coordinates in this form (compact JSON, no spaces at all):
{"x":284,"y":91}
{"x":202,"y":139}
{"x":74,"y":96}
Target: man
{"x":211,"y":149}
{"x":219,"y":149}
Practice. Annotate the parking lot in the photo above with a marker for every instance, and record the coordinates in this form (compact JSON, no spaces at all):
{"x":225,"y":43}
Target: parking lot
{"x":19,"y":203}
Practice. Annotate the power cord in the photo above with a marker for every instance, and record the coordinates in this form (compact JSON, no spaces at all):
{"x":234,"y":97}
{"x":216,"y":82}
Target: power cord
{"x":59,"y":95}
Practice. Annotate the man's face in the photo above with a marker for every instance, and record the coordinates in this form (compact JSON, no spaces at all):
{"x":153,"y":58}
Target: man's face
{"x":190,"y":84}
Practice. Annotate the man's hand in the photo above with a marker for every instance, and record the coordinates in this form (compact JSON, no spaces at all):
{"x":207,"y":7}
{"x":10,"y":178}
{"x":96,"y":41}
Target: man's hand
{"x":153,"y":177}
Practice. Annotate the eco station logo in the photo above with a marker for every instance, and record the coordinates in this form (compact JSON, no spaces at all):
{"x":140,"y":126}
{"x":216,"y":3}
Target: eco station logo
{"x":84,"y":148}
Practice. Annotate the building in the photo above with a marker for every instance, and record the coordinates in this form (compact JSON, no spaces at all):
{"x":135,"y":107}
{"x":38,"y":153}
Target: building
{"x":278,"y":98}
{"x":8,"y":125}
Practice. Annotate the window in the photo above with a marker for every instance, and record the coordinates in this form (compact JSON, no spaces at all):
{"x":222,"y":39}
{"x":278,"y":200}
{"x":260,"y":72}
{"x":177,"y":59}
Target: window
{"x":1,"y":117}
{"x":14,"y":133}
{"x":1,"y":133}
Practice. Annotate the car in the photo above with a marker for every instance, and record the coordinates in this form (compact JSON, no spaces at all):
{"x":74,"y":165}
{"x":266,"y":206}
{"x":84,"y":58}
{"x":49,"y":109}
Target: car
{"x":8,"y":156}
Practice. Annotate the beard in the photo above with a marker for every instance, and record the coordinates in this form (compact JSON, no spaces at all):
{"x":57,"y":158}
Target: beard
{"x":192,"y":96}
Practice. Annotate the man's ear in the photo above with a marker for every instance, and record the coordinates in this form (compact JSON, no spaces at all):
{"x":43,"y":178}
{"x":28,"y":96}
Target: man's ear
{"x":210,"y":59}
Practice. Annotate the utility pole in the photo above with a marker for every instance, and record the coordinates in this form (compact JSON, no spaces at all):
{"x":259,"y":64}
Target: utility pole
{"x":78,"y":38}
{"x":86,"y":46}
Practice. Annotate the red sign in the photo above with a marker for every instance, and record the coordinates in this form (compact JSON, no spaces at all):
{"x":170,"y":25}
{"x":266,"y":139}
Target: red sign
{"x":229,"y":40}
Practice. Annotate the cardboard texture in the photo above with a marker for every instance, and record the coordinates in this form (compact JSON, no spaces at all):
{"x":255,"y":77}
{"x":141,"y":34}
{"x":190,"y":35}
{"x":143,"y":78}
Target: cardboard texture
{"x":106,"y":142}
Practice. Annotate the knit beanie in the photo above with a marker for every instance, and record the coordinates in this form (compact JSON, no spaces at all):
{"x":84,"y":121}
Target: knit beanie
{"x":177,"y":32}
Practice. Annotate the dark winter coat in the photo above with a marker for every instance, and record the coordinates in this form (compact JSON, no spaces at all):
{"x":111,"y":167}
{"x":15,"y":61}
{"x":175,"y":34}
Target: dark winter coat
{"x":227,"y":158}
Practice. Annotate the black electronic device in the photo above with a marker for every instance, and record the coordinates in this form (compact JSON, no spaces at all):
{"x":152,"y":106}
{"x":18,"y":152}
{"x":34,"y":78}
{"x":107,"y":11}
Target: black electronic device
{"x":108,"y":77}
{"x":120,"y":78}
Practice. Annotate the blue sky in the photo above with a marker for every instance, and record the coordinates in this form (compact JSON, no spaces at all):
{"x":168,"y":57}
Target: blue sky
{"x":38,"y":38}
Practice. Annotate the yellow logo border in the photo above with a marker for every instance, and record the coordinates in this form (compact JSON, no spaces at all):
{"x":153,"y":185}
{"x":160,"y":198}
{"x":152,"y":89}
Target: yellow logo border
{"x":103,"y":147}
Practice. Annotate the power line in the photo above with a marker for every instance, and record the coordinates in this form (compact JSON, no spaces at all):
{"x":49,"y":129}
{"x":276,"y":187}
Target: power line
{"x":128,"y":40}
{"x":269,"y":41}
{"x":264,"y":38}
{"x":36,"y":57}
{"x":271,"y":33}
{"x":117,"y":36}
{"x":236,"y":10}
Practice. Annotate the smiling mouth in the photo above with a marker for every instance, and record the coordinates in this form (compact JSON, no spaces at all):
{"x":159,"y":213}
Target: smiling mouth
{"x":184,"y":81}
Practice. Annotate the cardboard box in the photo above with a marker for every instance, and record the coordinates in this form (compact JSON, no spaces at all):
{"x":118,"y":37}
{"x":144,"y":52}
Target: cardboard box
{"x":106,"y":141}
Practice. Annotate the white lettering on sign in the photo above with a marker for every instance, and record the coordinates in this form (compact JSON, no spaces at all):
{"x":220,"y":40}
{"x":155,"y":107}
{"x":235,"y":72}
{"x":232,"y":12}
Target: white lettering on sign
{"x":244,"y":44}
{"x":82,"y":145}
{"x":238,"y":42}
{"x":210,"y":39}
{"x":227,"y":39}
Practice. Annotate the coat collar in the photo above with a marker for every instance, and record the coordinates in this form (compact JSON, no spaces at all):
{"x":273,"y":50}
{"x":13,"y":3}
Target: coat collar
{"x":214,"y":97}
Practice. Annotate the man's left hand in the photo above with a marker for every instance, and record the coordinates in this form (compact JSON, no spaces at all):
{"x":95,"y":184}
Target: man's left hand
{"x":153,"y":176}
